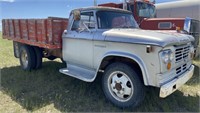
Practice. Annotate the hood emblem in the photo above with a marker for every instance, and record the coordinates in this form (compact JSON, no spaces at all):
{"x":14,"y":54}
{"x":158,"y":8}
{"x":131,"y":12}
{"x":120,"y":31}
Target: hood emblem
{"x":184,"y":40}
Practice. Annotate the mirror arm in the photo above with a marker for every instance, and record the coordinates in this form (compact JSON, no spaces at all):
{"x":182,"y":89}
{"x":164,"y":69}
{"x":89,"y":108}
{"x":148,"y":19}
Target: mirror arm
{"x":86,"y":27}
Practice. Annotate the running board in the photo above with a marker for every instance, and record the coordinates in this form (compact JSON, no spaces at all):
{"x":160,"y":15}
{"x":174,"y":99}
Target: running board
{"x":79,"y":73}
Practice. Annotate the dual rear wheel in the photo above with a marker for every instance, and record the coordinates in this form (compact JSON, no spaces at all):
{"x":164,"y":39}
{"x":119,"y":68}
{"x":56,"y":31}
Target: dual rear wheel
{"x":30,"y":57}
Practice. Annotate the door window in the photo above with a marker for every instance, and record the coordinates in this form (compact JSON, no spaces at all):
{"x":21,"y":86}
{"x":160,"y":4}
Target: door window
{"x":86,"y":22}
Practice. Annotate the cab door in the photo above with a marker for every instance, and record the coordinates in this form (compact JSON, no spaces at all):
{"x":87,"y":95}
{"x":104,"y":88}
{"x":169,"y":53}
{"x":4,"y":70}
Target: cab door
{"x":79,"y":41}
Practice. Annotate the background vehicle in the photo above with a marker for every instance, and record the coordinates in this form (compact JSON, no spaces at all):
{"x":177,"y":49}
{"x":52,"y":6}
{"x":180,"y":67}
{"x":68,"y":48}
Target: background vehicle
{"x":175,"y":25}
{"x":179,"y":9}
{"x":95,"y":46}
{"x":151,"y":18}
{"x":140,"y":8}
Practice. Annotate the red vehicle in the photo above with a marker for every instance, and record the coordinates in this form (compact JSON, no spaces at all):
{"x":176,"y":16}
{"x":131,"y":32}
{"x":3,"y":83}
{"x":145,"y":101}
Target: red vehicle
{"x":175,"y":24}
{"x":180,"y":9}
{"x":141,"y":8}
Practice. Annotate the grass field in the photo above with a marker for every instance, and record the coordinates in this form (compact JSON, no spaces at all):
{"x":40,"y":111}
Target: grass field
{"x":46,"y":90}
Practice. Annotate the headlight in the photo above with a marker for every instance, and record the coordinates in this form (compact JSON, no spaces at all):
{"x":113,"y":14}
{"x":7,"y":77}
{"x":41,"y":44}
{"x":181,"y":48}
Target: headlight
{"x":167,"y":56}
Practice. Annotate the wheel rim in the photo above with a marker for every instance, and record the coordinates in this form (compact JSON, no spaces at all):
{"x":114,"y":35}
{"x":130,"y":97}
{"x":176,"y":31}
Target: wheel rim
{"x":24,"y":58}
{"x":120,"y":86}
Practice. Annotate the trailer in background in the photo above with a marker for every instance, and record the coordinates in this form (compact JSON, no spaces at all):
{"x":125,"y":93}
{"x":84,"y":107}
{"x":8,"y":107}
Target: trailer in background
{"x":179,"y":9}
{"x":169,"y":11}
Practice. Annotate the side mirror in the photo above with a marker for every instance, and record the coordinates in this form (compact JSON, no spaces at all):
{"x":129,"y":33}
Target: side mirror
{"x":187,"y":24}
{"x":77,"y":15}
{"x":65,"y":32}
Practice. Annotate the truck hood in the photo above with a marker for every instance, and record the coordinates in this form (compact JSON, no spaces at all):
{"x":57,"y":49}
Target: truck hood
{"x":147,"y":37}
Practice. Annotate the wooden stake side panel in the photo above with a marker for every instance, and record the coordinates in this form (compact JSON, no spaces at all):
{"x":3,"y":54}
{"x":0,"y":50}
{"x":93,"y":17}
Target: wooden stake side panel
{"x":58,"y":26}
{"x":17,"y":29}
{"x":32,"y":30}
{"x":3,"y":27}
{"x":44,"y":33}
{"x":24,"y":29}
{"x":41,"y":31}
{"x":6,"y":28}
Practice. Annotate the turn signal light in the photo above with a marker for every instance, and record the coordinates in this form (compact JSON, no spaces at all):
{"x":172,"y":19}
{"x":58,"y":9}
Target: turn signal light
{"x":169,"y":65}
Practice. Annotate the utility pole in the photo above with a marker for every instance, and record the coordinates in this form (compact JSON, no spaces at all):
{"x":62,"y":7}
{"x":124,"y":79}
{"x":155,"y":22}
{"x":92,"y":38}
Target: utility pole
{"x":95,"y":2}
{"x":154,"y":1}
{"x":125,"y":5}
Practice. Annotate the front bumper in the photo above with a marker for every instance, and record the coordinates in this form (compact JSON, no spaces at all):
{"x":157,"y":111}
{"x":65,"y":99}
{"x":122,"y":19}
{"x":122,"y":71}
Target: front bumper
{"x":176,"y":83}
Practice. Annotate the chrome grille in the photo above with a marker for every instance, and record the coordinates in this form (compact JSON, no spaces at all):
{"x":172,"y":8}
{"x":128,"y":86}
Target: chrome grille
{"x":181,"y":69}
{"x":181,"y":53}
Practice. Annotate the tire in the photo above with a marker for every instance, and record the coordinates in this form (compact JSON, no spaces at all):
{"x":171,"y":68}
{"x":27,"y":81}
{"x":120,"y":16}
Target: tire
{"x":16,"y":47}
{"x":38,"y":54}
{"x":122,"y":85}
{"x":27,"y":57}
{"x":63,"y":62}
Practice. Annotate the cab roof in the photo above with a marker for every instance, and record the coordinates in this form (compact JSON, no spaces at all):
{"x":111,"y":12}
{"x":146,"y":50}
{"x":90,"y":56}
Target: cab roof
{"x":102,"y":8}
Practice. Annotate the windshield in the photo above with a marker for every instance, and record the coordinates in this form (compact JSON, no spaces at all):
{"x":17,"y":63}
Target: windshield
{"x":146,"y":10}
{"x":111,"y":19}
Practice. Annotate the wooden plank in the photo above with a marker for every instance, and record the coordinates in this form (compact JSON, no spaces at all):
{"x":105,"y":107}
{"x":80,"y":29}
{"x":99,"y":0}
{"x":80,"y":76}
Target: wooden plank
{"x":6,"y":28}
{"x":17,"y":29}
{"x":58,"y":26}
{"x":41,"y":31}
{"x":24,"y":29}
{"x":3,"y":27}
{"x":11,"y":29}
{"x":50,"y":31}
{"x":32,"y":30}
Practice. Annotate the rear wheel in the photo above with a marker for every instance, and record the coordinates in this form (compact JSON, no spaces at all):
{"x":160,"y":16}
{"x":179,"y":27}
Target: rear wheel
{"x":122,"y":85}
{"x":27,"y":57}
{"x":38,"y":53}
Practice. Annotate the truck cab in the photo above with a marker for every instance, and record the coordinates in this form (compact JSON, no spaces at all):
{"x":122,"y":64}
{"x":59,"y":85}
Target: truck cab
{"x":140,"y":8}
{"x":107,"y":42}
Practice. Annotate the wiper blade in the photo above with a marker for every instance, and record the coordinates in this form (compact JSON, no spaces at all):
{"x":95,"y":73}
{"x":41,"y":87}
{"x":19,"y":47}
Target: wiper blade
{"x":128,"y":27}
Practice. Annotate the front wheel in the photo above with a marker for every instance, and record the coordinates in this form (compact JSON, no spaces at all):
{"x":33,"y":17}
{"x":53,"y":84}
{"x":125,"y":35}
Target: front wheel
{"x":122,"y":85}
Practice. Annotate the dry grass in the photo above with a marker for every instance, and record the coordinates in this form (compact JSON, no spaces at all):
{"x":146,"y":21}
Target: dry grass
{"x":46,"y":90}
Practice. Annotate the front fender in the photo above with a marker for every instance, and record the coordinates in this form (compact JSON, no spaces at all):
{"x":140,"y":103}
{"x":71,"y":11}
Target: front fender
{"x":133,"y":57}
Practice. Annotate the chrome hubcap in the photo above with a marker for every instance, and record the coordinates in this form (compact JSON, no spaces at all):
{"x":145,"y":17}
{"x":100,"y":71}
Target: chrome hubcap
{"x":120,"y":86}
